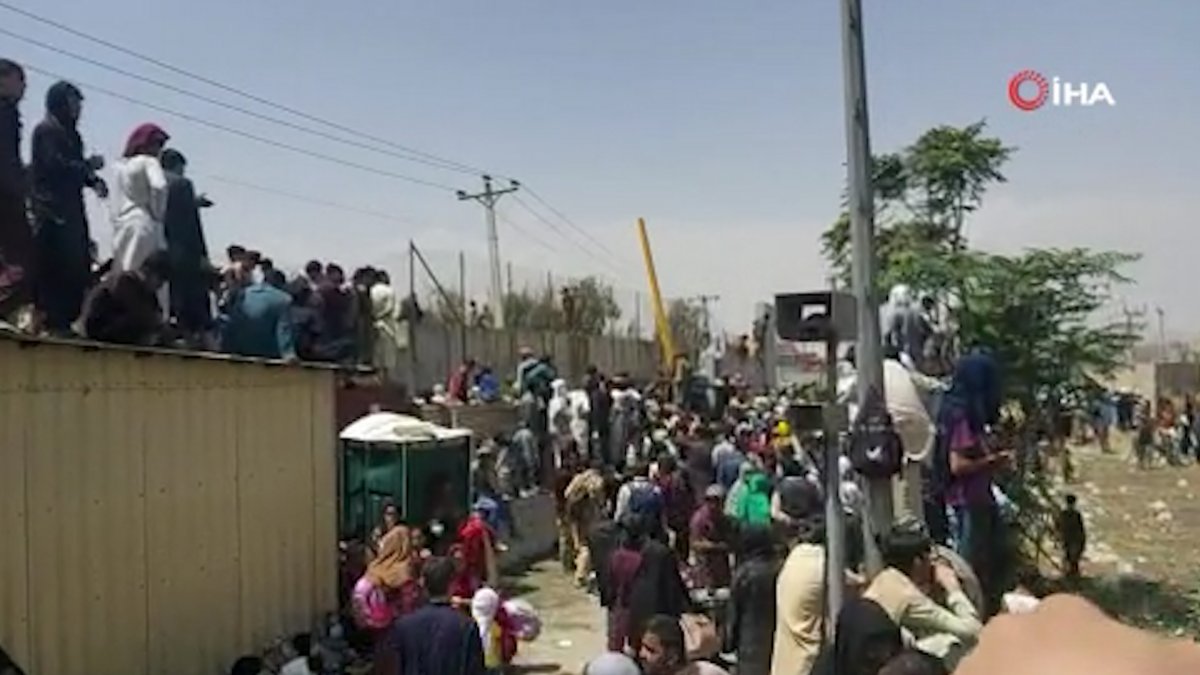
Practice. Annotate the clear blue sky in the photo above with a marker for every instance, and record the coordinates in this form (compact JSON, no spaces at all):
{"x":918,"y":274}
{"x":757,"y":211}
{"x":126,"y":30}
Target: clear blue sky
{"x":720,"y":122}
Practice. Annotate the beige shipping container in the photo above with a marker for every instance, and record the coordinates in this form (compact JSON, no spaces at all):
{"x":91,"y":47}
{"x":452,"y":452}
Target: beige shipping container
{"x":160,"y":512}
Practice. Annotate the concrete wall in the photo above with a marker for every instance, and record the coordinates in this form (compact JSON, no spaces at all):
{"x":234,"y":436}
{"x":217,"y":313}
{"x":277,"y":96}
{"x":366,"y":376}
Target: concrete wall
{"x":537,"y":525}
{"x":439,"y":350}
{"x":160,"y":512}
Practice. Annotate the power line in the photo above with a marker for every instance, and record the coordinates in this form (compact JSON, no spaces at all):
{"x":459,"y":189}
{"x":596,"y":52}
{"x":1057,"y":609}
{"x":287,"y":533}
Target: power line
{"x":413,"y":155}
{"x":248,"y":135}
{"x":552,"y":225}
{"x":537,"y":240}
{"x":229,"y":106}
{"x":459,"y":166}
{"x":533,"y":193}
{"x":395,"y":218}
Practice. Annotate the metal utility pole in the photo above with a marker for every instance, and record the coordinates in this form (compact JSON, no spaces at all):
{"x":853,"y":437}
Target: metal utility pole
{"x":869,"y":353}
{"x":488,"y":198}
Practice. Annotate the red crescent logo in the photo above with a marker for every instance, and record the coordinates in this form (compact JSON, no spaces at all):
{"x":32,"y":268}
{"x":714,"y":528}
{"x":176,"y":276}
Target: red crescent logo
{"x":1028,"y":103}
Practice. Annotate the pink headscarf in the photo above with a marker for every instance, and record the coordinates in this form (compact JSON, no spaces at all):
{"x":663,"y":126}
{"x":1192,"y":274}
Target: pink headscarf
{"x":143,"y":136}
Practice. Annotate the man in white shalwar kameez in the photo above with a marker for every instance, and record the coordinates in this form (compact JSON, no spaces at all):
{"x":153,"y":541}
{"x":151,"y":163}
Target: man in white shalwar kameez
{"x":140,"y":203}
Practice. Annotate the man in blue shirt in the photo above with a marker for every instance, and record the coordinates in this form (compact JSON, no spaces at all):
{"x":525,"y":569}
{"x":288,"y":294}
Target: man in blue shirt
{"x":437,"y":639}
{"x":259,"y":322}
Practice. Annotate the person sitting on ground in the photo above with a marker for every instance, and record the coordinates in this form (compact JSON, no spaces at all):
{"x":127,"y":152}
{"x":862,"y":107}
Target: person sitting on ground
{"x":459,"y":385}
{"x":663,"y":651}
{"x":903,"y":589}
{"x":125,"y":308}
{"x":303,"y":648}
{"x":488,"y":385}
{"x":437,"y":638}
{"x":259,"y":322}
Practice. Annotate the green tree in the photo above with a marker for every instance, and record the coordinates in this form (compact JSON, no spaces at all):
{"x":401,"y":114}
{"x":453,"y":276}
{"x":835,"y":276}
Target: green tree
{"x":595,"y":306}
{"x":1035,"y":311}
{"x":688,"y":328}
{"x":923,"y":195}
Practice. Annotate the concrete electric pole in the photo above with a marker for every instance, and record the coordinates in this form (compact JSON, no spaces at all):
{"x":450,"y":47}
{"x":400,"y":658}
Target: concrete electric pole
{"x":488,"y":198}
{"x":868,"y":351}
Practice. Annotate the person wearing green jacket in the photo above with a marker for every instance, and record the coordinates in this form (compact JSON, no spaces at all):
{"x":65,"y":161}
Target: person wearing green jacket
{"x":754,"y":506}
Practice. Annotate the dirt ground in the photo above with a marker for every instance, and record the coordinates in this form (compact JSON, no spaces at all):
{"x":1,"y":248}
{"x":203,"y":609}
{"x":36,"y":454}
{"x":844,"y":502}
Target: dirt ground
{"x":1143,"y":557}
{"x":573,"y":624}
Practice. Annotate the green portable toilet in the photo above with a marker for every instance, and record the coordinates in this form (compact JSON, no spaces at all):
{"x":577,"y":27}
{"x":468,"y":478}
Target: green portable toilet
{"x":386,"y":455}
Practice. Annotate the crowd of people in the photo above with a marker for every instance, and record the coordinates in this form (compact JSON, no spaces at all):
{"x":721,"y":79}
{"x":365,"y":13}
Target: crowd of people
{"x":705,"y":519}
{"x":160,"y":287}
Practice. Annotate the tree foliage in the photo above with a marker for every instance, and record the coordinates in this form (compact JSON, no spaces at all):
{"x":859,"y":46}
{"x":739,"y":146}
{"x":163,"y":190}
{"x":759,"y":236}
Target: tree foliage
{"x":1035,"y":311}
{"x":689,"y":329}
{"x":590,"y":302}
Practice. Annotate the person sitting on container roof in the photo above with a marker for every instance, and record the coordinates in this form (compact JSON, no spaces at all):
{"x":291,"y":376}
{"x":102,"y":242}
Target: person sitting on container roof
{"x":260,"y":322}
{"x":125,"y":309}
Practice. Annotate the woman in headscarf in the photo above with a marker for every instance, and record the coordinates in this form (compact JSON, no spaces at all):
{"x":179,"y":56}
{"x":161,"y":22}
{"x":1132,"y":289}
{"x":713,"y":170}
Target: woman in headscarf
{"x":496,"y":636}
{"x":750,"y":631}
{"x":866,"y":640}
{"x":478,"y":536}
{"x":389,"y":518}
{"x":388,"y":589}
{"x":963,"y":467}
{"x":140,"y":202}
{"x":59,"y":173}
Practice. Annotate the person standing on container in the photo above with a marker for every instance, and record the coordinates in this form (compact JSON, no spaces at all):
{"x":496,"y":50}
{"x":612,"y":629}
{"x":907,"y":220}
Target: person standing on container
{"x":140,"y":202}
{"x":191,"y":272}
{"x":16,"y":237}
{"x":59,"y":173}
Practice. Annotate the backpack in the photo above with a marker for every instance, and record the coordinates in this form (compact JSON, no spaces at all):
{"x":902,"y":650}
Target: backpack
{"x":876,"y":450}
{"x":645,"y":500}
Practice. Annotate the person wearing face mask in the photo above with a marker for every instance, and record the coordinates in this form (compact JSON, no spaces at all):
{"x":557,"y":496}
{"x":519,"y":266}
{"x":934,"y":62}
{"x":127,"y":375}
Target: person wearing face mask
{"x":59,"y":173}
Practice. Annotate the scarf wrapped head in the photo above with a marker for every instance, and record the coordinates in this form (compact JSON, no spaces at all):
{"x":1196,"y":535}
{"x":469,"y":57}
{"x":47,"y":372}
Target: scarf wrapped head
{"x":58,"y":102}
{"x":393,"y":566}
{"x":484,"y":606}
{"x":143,"y":137}
{"x":976,"y":390}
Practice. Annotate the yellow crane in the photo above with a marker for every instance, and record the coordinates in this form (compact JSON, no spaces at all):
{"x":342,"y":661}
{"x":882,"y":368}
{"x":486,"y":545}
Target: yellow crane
{"x":666,"y":341}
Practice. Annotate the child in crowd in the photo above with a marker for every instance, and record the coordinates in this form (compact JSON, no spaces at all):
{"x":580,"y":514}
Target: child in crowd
{"x":1074,"y":537}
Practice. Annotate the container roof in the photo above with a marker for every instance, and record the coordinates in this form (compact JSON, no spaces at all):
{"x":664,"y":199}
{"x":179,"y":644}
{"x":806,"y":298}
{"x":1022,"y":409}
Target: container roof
{"x":389,"y":427}
{"x":28,"y":341}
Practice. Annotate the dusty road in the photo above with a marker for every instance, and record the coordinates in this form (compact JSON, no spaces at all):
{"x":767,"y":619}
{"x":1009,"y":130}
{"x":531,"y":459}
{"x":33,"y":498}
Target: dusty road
{"x":572,"y":622}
